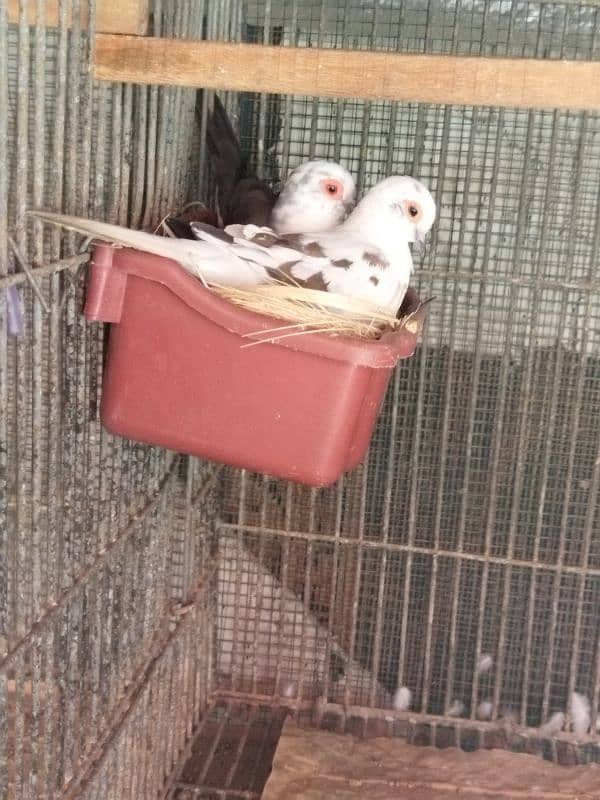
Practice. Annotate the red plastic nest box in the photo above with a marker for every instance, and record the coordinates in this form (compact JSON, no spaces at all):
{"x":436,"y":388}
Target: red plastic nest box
{"x":177,"y":374}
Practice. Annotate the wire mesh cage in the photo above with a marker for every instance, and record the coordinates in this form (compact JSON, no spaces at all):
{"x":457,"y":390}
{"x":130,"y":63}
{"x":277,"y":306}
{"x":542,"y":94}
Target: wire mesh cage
{"x":459,"y":563}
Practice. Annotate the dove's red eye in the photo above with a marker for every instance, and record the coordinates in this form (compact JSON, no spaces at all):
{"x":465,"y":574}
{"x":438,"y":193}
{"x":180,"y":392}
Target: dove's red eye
{"x":332,"y":187}
{"x":412,"y":210}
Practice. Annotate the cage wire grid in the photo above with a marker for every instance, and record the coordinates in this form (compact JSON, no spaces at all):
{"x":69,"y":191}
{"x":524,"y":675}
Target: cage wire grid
{"x":137,"y":584}
{"x":470,"y":531}
{"x":107,"y":546}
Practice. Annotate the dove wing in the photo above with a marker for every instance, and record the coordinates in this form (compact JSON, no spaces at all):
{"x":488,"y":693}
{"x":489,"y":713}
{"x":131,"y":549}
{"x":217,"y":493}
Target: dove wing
{"x":337,"y":261}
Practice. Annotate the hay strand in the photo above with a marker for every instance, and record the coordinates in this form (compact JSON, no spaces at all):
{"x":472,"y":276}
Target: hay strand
{"x":311,"y":311}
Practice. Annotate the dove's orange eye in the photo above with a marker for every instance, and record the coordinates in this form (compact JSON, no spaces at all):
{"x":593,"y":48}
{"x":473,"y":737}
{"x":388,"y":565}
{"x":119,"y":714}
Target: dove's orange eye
{"x":412,"y":210}
{"x":332,"y":187}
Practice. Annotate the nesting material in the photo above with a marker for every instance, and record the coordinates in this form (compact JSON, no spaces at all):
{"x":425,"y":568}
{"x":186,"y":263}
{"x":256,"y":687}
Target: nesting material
{"x":553,"y":725}
{"x":402,"y":699}
{"x":456,"y":708}
{"x":484,"y":709}
{"x":485,"y":663}
{"x":312,"y":310}
{"x":580,"y":712}
{"x":289,"y":689}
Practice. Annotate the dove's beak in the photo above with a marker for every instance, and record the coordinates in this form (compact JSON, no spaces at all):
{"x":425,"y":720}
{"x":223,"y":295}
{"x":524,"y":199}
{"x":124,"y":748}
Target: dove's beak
{"x":419,"y":244}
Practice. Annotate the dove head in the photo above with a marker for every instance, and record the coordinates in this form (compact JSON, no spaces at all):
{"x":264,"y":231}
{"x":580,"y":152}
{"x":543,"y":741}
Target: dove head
{"x":399,"y":206}
{"x":317,"y":196}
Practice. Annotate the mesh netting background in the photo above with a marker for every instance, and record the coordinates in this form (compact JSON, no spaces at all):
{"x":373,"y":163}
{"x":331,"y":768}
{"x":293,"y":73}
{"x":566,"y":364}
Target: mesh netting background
{"x":134,"y":583}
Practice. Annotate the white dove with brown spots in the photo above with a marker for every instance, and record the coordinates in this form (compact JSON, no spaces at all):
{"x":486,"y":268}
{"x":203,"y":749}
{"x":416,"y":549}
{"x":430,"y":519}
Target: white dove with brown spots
{"x":367,"y":256}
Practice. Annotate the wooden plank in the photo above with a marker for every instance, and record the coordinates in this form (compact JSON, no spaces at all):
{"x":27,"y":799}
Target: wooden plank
{"x":112,"y":16}
{"x":460,"y":80}
{"x":320,"y":765}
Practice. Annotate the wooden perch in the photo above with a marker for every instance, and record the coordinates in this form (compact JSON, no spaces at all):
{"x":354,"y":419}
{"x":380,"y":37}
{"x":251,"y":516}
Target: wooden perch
{"x":112,"y":16}
{"x":455,"y":80}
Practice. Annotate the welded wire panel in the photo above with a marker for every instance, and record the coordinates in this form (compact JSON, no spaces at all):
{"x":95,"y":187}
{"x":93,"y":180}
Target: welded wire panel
{"x":470,"y":27}
{"x":460,"y":560}
{"x":106,"y":545}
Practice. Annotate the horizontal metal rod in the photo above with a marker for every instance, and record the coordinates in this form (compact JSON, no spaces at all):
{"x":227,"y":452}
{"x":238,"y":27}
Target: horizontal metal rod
{"x":390,"y":547}
{"x":325,"y":72}
{"x":43,"y":272}
{"x":523,"y":281}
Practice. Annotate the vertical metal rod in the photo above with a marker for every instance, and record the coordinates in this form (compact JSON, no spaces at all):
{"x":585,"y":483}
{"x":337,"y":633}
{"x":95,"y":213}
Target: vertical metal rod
{"x":288,"y":101}
{"x":56,"y":470}
{"x":285,"y":557}
{"x":357,"y":574}
{"x":336,"y":583}
{"x":4,"y":514}
{"x":306,"y":603}
{"x":259,"y":657}
{"x":72,"y":412}
{"x":163,"y":124}
{"x":40,"y":679}
{"x":21,"y":564}
{"x":55,"y":487}
{"x":38,"y":451}
{"x":263,"y":100}
{"x":140,"y":117}
{"x":18,"y":708}
{"x":239,"y":556}
{"x":114,"y":189}
{"x":385,"y":530}
{"x":126,"y":155}
{"x":151,"y":155}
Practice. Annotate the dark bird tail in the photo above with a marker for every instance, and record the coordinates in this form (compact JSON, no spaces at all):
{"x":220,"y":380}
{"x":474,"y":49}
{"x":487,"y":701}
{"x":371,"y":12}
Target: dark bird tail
{"x":243,"y":198}
{"x":228,"y":162}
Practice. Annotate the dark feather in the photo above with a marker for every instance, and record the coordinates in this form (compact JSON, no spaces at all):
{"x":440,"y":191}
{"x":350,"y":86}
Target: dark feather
{"x":179,"y":228}
{"x":243,"y":197}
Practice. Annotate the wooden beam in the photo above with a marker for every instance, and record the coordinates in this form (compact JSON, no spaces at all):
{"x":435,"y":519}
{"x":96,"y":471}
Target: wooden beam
{"x":112,"y":16}
{"x":460,"y":80}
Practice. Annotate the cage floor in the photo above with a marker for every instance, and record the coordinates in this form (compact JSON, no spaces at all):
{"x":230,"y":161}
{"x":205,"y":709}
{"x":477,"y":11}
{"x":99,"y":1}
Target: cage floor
{"x":231,"y":754}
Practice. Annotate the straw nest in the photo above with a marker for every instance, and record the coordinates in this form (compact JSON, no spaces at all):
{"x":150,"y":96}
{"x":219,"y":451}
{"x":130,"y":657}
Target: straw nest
{"x":314,"y":311}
